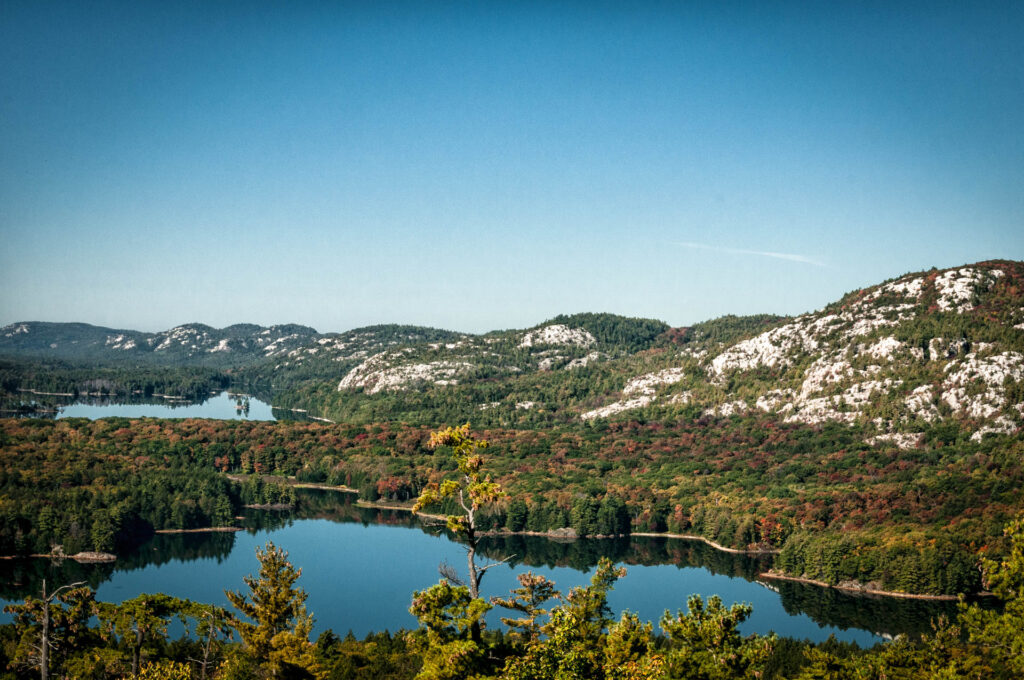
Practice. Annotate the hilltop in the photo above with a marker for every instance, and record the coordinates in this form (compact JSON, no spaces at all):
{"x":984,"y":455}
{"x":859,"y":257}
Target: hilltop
{"x":898,"y":359}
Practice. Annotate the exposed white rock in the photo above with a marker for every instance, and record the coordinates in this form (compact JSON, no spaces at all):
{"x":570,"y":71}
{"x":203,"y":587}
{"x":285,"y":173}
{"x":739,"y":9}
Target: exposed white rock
{"x":1001,"y":425}
{"x":909,"y":288}
{"x":12,"y":330}
{"x":771,"y":348}
{"x":902,"y":440}
{"x":558,"y":334}
{"x":641,"y":389}
{"x":645,"y":384}
{"x":222,"y":346}
{"x":956,"y":287}
{"x":825,"y":371}
{"x":884,"y":348}
{"x":547,"y":363}
{"x":489,"y":405}
{"x":375,"y":375}
{"x":842,"y":407}
{"x":960,"y":386}
{"x":774,"y":399}
{"x":920,"y":403}
{"x":868,"y":320}
{"x":940,"y":349}
{"x":725,"y":410}
{"x":525,"y":405}
{"x":583,"y":361}
{"x":618,"y":407}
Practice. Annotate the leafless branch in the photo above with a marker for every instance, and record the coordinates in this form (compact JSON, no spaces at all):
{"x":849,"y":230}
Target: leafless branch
{"x":448,"y":571}
{"x":494,"y":564}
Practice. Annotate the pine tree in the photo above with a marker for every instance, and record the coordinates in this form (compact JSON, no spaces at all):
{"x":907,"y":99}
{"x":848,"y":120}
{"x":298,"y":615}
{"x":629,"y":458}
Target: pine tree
{"x":279,"y":638}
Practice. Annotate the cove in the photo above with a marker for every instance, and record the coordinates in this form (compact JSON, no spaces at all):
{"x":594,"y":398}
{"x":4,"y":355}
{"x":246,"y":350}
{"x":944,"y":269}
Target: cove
{"x":361,"y":566}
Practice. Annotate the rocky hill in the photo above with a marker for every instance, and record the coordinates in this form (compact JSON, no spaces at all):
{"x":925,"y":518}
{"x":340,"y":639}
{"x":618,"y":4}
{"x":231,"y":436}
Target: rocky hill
{"x":944,"y":346}
{"x":927,"y":349}
{"x":192,"y":344}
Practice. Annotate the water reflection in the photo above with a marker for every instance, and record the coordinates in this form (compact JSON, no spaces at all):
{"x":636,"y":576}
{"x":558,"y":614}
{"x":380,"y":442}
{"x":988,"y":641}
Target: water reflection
{"x":222,"y":405}
{"x":826,"y":607}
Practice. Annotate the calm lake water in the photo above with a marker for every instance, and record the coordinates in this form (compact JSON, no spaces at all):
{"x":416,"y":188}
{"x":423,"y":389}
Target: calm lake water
{"x":224,"y":406}
{"x":360,"y":568}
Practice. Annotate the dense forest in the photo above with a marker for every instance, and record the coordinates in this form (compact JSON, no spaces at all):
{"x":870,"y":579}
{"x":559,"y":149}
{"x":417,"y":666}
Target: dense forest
{"x":874,"y":444}
{"x":547,"y":634}
{"x":28,"y":386}
{"x":837,"y":509}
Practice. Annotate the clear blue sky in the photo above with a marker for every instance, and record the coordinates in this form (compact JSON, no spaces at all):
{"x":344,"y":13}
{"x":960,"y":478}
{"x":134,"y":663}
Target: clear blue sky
{"x":486,"y":165}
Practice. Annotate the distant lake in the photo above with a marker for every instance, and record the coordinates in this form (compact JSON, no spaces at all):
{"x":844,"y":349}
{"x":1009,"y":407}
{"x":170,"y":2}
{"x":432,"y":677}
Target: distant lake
{"x":224,"y":406}
{"x":361,"y":566}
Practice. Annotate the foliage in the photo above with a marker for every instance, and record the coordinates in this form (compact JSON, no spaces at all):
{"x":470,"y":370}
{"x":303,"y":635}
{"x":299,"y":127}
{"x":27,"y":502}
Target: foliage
{"x":534,"y":591}
{"x":139,"y":620}
{"x":49,"y":629}
{"x":449,"y":616}
{"x":278,"y":638}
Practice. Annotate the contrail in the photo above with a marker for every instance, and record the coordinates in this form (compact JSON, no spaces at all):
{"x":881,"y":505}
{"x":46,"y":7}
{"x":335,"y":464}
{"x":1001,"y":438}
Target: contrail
{"x":742,"y":251}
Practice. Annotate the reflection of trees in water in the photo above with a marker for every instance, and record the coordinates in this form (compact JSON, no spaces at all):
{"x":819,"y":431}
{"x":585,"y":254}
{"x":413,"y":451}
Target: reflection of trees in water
{"x":19,"y":578}
{"x":22,"y":577}
{"x":583,"y":554}
{"x":880,"y":615}
{"x":825,"y":606}
{"x":337,"y":506}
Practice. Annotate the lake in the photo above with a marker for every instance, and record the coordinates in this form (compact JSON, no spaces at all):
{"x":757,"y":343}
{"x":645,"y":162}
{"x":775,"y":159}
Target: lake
{"x":224,"y":406}
{"x":361,"y":566}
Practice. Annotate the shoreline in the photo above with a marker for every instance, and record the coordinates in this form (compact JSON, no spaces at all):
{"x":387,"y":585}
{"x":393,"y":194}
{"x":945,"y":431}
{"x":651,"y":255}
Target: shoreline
{"x":775,"y":576}
{"x":85,"y":557}
{"x":325,"y":487}
{"x":561,"y":534}
{"x":716,"y":546}
{"x":200,"y":530}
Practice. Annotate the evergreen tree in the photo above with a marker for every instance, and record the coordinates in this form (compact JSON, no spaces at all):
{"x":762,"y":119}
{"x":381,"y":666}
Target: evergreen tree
{"x":279,"y":639}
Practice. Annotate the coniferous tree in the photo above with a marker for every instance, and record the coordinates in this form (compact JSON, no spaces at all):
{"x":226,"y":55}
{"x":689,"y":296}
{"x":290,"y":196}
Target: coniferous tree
{"x":279,"y":639}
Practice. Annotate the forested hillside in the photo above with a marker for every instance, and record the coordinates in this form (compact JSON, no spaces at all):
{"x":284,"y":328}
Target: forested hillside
{"x":192,"y":344}
{"x":838,"y":508}
{"x":876,"y":441}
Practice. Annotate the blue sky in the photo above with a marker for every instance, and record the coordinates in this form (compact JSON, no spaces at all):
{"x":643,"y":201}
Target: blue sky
{"x":485,"y":165}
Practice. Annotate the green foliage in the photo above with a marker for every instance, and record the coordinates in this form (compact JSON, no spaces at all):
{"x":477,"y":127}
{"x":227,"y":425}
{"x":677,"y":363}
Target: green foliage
{"x":139,"y":621}
{"x":278,"y":637}
{"x":533,"y":592}
{"x":56,"y":623}
{"x":707,"y":644}
{"x":449,"y":616}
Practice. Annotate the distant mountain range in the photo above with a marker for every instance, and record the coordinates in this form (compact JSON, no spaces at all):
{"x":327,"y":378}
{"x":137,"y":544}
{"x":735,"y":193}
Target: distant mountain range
{"x":193,"y":344}
{"x":898,"y":358}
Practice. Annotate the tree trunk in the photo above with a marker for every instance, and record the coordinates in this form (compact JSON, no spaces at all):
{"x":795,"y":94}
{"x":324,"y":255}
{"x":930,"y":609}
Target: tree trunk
{"x":44,"y":651}
{"x":206,"y":650}
{"x":136,"y":652}
{"x":474,"y":583}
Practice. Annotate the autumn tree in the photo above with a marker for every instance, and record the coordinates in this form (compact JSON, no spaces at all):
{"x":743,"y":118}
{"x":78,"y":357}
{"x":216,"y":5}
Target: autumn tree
{"x":472,"y":489}
{"x":995,"y":638}
{"x":213,"y":624}
{"x":278,"y":640}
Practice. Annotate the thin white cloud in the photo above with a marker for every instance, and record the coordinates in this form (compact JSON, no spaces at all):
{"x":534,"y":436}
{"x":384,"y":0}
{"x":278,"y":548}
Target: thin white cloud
{"x":792,"y":257}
